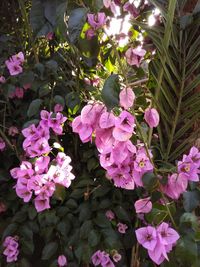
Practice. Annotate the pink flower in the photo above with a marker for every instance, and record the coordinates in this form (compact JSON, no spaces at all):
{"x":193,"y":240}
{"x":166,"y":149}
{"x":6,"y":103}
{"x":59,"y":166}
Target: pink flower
{"x":100,"y":257}
{"x":122,"y":227}
{"x":13,"y":67}
{"x":97,"y":21}
{"x":167,"y":235}
{"x":188,"y":169}
{"x":126,"y":98}
{"x":134,"y":56}
{"x":143,"y":205}
{"x":2,"y":144}
{"x":176,"y":185}
{"x":62,"y":261}
{"x":18,"y":58}
{"x":50,"y":36}
{"x":110,"y":215}
{"x":19,"y":92}
{"x":131,"y":9}
{"x":124,"y":126}
{"x":11,"y":250}
{"x":58,"y":108}
{"x":14,"y":64}
{"x":107,"y":120}
{"x":41,"y":203}
{"x":84,"y":130}
{"x":12,"y":131}
{"x":2,"y":79}
{"x":90,"y":33}
{"x":152,"y":117}
{"x":147,"y":237}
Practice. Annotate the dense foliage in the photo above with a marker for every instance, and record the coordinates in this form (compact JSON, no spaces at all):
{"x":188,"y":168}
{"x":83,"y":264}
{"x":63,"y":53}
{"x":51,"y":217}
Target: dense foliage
{"x":99,"y":133}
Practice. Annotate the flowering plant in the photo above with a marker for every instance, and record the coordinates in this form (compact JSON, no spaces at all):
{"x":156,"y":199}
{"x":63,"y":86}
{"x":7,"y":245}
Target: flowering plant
{"x":99,"y":135}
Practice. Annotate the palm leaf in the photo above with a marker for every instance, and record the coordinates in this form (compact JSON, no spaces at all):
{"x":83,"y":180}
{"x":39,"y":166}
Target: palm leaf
{"x":176,"y":70}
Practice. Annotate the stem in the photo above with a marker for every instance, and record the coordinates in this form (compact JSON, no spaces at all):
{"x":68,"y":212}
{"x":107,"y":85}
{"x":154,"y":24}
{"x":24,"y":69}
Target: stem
{"x":168,"y":210}
{"x":28,"y":29}
{"x":138,"y":82}
{"x":9,"y":143}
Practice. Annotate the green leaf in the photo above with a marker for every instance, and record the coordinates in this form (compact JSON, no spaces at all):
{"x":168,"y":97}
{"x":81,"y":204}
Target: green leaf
{"x":122,"y":214}
{"x":85,"y":229}
{"x":149,"y":180}
{"x":34,"y":108}
{"x":72,"y":100}
{"x":76,"y":21}
{"x":186,"y":251}
{"x":191,"y":200}
{"x":93,"y":238}
{"x":110,"y":91}
{"x":49,"y":250}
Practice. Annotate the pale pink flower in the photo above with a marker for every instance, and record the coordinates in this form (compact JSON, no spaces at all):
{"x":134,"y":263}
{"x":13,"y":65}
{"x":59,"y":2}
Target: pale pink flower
{"x":58,"y":108}
{"x":62,"y":261}
{"x":2,"y":79}
{"x":110,"y":215}
{"x":143,"y":205}
{"x":126,"y":98}
{"x":134,"y":56}
{"x":117,"y":257}
{"x":107,"y":3}
{"x":152,"y":117}
{"x":122,"y":227}
{"x":12,"y":131}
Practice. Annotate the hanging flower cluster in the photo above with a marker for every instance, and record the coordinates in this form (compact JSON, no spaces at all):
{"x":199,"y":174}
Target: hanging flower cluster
{"x":36,"y":138}
{"x":39,"y":178}
{"x":11,"y":250}
{"x":124,"y":162}
{"x":158,"y":241}
{"x":187,"y":170}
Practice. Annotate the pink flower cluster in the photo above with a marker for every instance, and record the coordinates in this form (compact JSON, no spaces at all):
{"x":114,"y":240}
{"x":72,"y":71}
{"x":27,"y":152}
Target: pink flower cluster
{"x":36,"y":138}
{"x":14,"y":64}
{"x":158,"y":241}
{"x":125,"y":163}
{"x":11,"y":250}
{"x":187,"y":170}
{"x":103,"y":259}
{"x":40,"y":179}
